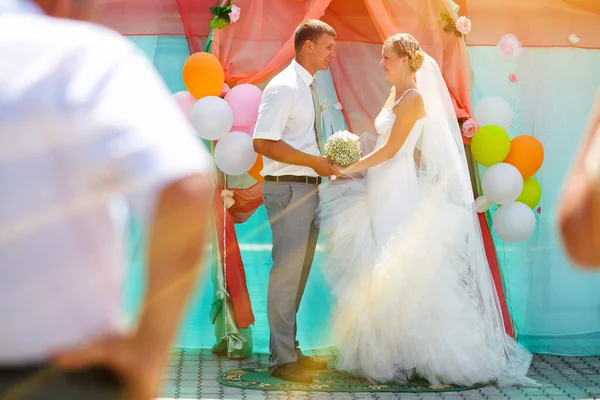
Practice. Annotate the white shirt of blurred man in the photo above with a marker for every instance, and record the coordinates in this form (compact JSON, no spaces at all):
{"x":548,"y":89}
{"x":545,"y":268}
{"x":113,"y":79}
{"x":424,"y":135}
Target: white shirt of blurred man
{"x":88,"y":128}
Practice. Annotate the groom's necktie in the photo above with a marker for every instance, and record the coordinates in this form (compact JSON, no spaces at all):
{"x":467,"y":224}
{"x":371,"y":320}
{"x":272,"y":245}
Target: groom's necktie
{"x":318,"y":124}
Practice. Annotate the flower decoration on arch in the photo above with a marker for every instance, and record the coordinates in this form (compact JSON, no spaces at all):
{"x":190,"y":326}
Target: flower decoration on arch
{"x":224,"y":15}
{"x":460,"y":27}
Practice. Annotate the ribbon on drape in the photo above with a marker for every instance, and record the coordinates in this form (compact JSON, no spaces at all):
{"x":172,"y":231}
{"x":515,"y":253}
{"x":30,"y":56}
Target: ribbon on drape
{"x":231,"y":310}
{"x":229,"y":250}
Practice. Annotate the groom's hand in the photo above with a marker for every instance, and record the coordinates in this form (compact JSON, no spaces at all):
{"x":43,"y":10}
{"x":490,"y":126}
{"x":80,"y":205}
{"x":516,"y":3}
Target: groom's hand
{"x":324,"y":167}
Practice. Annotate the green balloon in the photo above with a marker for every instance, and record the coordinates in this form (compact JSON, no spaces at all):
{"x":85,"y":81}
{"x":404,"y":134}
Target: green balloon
{"x":490,"y":145}
{"x":531,"y":194}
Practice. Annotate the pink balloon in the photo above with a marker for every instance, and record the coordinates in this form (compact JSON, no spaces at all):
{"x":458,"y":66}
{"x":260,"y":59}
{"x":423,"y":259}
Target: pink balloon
{"x":244,"y":100}
{"x":185,"y":101}
{"x":246,"y":129}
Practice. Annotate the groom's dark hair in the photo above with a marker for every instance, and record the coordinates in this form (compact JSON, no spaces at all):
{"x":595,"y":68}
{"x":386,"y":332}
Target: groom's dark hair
{"x":312,"y":30}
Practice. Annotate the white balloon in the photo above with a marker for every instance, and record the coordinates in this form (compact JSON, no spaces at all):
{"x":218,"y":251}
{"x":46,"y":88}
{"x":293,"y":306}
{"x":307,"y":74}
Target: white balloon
{"x":482,"y":204}
{"x":514,"y":222}
{"x":212,"y":117}
{"x":502,"y":183}
{"x":493,"y":110}
{"x":234,"y":154}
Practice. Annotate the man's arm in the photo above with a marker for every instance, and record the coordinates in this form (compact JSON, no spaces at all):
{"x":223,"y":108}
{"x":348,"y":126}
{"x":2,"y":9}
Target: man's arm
{"x":579,"y":208}
{"x":176,"y":241}
{"x":280,"y":151}
{"x":275,"y":109}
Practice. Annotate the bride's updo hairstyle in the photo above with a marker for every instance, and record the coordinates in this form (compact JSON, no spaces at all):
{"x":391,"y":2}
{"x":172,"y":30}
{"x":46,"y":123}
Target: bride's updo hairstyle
{"x":406,"y":45}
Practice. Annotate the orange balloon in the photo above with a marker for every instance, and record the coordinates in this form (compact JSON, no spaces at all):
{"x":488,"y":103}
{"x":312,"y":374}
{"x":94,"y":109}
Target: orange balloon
{"x":203,"y":75}
{"x":526,"y":154}
{"x":256,"y":168}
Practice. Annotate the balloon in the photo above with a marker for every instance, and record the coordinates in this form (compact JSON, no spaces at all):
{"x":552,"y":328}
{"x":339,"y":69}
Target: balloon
{"x":527,"y":154}
{"x":493,"y":110}
{"x":203,"y":75}
{"x":531,"y":194}
{"x":185,"y":101}
{"x":212,"y":117}
{"x":234,"y":154}
{"x":502,"y":183}
{"x":514,"y":222}
{"x":482,"y":204}
{"x":246,"y":129}
{"x":256,"y":168}
{"x":490,"y":145}
{"x":244,"y":100}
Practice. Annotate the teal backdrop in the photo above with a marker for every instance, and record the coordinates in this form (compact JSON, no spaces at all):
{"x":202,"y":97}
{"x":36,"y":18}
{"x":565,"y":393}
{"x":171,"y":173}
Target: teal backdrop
{"x":555,"y":306}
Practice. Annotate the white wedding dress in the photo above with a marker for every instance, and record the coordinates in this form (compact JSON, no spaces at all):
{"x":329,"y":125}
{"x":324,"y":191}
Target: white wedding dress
{"x":397,"y":261}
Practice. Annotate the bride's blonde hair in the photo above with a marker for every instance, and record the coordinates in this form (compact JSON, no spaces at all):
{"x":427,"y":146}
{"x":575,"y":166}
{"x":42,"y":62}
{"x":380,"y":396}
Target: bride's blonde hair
{"x":406,"y":45}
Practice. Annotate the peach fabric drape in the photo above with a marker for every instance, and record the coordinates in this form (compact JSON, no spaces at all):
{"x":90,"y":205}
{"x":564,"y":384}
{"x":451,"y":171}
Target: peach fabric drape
{"x":356,"y":73}
{"x":536,"y":23}
{"x":587,"y":5}
{"x":189,"y":18}
{"x":261,"y":42}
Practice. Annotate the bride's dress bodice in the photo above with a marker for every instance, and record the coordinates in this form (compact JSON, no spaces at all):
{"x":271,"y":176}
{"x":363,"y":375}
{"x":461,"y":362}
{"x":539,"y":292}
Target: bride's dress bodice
{"x":385,"y":121}
{"x":392,"y":186}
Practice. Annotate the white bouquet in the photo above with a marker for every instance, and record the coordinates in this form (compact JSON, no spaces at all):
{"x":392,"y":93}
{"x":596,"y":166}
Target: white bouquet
{"x":343,"y":148}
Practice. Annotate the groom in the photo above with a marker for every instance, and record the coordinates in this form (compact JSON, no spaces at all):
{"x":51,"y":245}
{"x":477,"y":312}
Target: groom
{"x":288,"y":135}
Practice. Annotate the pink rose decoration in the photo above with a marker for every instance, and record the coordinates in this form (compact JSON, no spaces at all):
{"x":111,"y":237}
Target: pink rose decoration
{"x":513,"y":78}
{"x":509,"y":47}
{"x":225,"y":90}
{"x":234,"y":14}
{"x":469,"y":128}
{"x":463,"y":25}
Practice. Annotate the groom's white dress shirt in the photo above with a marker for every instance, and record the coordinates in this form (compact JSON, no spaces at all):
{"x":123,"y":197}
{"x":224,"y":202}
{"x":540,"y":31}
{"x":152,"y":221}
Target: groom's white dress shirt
{"x":86,"y":128}
{"x":287,"y":113}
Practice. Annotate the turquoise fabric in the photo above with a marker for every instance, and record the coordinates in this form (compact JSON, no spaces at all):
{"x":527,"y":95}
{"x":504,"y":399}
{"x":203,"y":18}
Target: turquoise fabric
{"x":555,"y":306}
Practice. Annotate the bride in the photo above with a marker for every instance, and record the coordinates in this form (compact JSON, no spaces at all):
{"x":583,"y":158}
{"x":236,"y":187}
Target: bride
{"x":405,"y":258}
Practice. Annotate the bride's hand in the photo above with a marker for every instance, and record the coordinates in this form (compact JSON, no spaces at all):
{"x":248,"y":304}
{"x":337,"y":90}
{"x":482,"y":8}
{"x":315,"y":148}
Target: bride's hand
{"x":349,"y":169}
{"x":348,"y":174}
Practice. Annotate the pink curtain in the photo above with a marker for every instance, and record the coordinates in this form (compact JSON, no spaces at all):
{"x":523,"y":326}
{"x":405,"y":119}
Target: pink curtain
{"x":362,"y":25}
{"x":422,"y":20}
{"x":357,"y":76}
{"x":261,"y":42}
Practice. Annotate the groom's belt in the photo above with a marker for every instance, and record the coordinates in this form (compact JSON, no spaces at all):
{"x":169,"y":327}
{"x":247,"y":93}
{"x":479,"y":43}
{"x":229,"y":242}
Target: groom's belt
{"x":312,"y":180}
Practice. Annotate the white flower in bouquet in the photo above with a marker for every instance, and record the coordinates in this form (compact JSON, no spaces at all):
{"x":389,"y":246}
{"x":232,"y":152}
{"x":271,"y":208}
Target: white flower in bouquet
{"x":343,"y":148}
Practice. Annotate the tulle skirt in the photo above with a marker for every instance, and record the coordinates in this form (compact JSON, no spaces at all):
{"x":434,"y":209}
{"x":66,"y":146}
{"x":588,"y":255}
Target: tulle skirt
{"x":415,"y":307}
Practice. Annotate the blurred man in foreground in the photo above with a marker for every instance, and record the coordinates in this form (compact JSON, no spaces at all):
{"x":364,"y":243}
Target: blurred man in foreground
{"x":88,"y":132}
{"x":579,"y":208}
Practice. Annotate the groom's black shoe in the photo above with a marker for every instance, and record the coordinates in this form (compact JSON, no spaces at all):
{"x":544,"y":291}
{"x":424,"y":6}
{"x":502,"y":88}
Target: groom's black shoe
{"x":292,"y":373}
{"x":311,"y":364}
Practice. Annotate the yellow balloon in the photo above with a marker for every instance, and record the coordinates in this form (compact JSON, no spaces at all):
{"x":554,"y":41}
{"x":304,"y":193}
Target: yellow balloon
{"x":531,"y":194}
{"x":490,"y":145}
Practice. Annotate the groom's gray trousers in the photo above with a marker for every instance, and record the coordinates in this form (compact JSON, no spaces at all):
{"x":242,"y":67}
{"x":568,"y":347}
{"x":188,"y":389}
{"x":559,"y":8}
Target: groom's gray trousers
{"x":291,"y":209}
